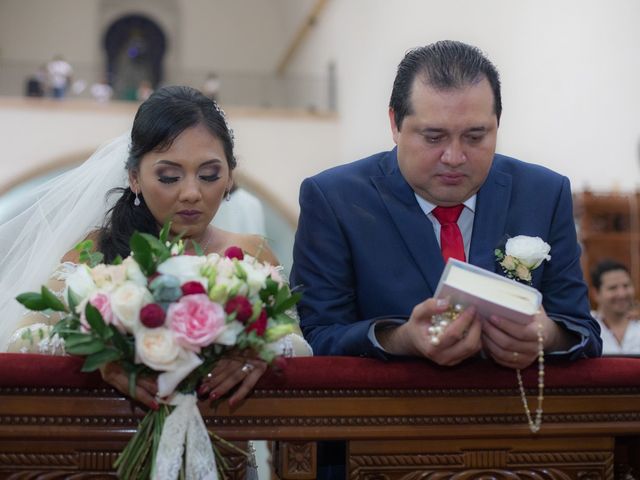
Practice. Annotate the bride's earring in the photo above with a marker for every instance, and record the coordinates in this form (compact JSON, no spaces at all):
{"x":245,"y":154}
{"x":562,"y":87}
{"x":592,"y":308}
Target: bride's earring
{"x":227,"y":196}
{"x":136,"y":202}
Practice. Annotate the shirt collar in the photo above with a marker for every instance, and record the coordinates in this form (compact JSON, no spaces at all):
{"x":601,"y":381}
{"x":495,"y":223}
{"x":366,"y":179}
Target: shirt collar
{"x":427,"y":207}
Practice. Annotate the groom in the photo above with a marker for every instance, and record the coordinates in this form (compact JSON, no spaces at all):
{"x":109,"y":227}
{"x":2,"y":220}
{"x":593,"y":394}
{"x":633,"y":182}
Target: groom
{"x":373,"y":235}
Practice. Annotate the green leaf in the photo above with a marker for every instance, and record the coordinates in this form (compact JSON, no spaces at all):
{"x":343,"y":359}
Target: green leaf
{"x":197,"y":249}
{"x":52,"y":301}
{"x":96,"y":360}
{"x":33,"y":301}
{"x":141,"y":251}
{"x":73,"y":300}
{"x":75,"y":339}
{"x":287,"y":303}
{"x":96,"y":322}
{"x":88,"y":348}
{"x":117,"y":260}
{"x":122,"y":343}
{"x":164,"y":233}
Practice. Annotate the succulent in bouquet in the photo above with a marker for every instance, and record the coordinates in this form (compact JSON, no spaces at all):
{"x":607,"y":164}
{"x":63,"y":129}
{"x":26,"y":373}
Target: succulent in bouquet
{"x":162,"y":312}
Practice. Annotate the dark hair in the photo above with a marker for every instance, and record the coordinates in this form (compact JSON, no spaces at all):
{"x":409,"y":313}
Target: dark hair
{"x":167,"y":113}
{"x":443,"y":65}
{"x":603,"y":267}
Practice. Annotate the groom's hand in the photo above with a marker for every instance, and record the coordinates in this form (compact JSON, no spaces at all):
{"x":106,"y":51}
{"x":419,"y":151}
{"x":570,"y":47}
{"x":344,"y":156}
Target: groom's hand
{"x":459,"y":341}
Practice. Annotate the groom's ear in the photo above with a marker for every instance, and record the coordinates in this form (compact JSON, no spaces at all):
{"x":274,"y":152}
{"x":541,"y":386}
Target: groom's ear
{"x":394,"y":128}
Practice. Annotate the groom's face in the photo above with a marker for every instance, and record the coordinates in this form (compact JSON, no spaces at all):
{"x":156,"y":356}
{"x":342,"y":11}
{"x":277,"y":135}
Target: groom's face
{"x":447,"y":141}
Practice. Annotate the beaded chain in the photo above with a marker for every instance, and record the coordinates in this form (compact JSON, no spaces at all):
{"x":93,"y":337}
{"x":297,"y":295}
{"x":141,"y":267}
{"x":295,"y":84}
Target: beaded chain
{"x":440,"y":322}
{"x":534,"y":425}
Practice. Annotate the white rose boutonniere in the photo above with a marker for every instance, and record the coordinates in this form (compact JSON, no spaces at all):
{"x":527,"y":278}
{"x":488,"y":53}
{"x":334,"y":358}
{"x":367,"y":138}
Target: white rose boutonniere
{"x":522,"y":255}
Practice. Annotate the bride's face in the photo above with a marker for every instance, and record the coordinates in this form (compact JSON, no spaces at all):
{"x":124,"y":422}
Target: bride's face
{"x":186,"y":183}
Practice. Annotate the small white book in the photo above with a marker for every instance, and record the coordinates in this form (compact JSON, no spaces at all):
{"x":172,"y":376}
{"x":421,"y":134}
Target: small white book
{"x":490,"y":293}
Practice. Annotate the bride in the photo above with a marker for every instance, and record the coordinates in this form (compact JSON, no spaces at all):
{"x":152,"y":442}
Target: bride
{"x":177,"y":165}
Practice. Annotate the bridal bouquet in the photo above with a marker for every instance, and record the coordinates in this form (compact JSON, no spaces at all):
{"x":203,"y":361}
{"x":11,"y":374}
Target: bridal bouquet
{"x":173,"y":315}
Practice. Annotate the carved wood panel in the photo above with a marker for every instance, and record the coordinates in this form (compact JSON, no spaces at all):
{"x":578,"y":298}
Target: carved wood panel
{"x":483,"y":464}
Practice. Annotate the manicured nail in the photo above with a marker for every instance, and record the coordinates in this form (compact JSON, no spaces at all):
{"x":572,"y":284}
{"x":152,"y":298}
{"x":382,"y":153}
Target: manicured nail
{"x":154,"y":406}
{"x":442,"y":302}
{"x":204,"y":389}
{"x":213,"y":396}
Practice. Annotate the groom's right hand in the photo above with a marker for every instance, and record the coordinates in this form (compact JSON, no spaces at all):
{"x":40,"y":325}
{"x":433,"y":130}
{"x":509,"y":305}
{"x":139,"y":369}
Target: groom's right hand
{"x":460,"y":340}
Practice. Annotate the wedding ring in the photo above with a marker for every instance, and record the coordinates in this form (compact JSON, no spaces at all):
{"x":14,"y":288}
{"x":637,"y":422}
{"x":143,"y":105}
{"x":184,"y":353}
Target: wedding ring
{"x":247,"y":368}
{"x":515,"y":355}
{"x":209,"y":375}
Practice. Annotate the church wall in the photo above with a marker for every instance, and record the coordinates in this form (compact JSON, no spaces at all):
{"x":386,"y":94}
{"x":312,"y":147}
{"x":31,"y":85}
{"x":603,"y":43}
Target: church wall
{"x":570,"y":71}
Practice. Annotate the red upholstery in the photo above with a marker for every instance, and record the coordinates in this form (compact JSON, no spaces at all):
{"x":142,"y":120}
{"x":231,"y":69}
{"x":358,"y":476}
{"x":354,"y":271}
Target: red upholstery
{"x":22,"y":370}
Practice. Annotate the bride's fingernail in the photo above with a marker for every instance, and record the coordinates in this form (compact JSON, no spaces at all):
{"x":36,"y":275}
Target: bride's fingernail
{"x":154,"y":406}
{"x":203,"y":390}
{"x":442,"y":302}
{"x":213,"y":396}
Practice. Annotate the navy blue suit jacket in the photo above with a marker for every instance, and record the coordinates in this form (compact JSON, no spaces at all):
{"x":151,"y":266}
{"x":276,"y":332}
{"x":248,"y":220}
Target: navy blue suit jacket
{"x":364,"y":250}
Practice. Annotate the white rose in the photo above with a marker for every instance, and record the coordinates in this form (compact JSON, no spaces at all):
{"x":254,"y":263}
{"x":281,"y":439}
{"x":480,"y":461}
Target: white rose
{"x":185,"y":267}
{"x":530,"y":251}
{"x":81,"y":282}
{"x":157,"y":348}
{"x":133,"y":272}
{"x":256,"y":279}
{"x":230,"y":333}
{"x":126,"y":302}
{"x":186,"y":363}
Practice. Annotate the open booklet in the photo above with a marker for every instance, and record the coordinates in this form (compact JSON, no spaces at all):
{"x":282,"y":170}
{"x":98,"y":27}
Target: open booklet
{"x":492,"y":294}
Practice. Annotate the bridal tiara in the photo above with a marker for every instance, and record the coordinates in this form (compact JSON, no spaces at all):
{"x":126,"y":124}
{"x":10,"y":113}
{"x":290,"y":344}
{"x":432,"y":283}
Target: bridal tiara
{"x":226,"y":124}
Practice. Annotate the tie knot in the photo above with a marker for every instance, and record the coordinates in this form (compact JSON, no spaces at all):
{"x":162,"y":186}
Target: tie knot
{"x":447,"y":215}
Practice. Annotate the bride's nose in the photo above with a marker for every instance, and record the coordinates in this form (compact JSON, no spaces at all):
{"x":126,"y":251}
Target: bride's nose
{"x":190,"y":191}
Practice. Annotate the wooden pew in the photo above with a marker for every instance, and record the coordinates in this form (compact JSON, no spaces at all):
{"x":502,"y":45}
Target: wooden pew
{"x":402,"y":420}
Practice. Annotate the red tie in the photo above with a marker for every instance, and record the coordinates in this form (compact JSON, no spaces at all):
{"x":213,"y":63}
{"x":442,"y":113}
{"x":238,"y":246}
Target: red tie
{"x":451,"y":242}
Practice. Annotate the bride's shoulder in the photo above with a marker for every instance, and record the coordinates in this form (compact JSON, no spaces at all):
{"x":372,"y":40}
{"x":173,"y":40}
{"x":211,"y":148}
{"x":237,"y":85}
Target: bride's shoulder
{"x":255,"y":245}
{"x":73,"y":256}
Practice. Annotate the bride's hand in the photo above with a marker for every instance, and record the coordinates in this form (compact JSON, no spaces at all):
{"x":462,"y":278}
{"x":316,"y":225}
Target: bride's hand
{"x":146,"y":387}
{"x":230,"y":372}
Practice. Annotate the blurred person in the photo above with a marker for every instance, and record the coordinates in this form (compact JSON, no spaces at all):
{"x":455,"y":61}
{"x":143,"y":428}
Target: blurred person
{"x":617,"y":313}
{"x":211,"y":86}
{"x":59,"y":73}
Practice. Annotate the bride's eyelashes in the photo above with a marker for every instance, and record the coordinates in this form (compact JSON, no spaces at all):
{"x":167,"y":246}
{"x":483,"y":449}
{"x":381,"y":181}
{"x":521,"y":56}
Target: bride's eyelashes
{"x":206,"y":178}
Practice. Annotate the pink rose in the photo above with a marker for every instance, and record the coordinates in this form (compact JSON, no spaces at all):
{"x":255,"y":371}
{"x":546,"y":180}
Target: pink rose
{"x":152,"y":315}
{"x":241,"y":306}
{"x":234,"y":252}
{"x":101,"y":302}
{"x":196,"y":321}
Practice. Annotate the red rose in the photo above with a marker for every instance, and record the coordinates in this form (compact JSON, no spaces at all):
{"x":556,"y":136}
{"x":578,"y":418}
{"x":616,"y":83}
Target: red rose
{"x":234,"y":252}
{"x":241,"y":306}
{"x":192,"y":288}
{"x":152,"y":315}
{"x":260,"y":324}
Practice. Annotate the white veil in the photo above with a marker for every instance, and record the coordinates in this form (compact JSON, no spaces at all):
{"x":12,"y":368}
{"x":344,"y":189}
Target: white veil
{"x":60,"y":214}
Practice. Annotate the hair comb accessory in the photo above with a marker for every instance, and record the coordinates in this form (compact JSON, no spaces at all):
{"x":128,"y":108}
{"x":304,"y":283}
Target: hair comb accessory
{"x":226,"y":124}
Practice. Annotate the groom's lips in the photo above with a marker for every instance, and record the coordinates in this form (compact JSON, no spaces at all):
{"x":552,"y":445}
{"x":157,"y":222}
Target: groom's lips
{"x":451,"y":178}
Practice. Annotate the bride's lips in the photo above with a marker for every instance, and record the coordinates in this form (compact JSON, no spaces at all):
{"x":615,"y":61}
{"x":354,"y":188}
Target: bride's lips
{"x":189,"y":215}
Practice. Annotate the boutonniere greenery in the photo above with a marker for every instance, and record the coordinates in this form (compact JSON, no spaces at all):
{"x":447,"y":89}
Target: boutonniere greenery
{"x":522,"y":255}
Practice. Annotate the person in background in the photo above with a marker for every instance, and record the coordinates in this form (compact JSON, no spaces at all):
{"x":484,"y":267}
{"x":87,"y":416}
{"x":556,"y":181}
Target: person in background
{"x":211,"y":86}
{"x":59,"y":73}
{"x":617,"y":313}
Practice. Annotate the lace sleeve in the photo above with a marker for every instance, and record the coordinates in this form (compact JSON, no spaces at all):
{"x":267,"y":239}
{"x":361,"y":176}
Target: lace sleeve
{"x":33,"y":334}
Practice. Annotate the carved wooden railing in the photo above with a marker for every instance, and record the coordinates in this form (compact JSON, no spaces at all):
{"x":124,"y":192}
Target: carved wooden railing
{"x":402,"y":420}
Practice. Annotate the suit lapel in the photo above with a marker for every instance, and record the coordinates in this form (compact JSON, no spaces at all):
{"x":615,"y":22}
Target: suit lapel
{"x":490,"y":218}
{"x":412,"y":224}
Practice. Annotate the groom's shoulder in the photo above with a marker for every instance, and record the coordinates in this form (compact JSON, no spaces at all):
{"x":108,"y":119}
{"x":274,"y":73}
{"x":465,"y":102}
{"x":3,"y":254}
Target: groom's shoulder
{"x":524,"y":172}
{"x":356,"y":171}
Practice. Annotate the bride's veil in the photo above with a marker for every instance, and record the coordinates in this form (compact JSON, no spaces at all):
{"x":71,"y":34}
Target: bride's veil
{"x":60,"y":213}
